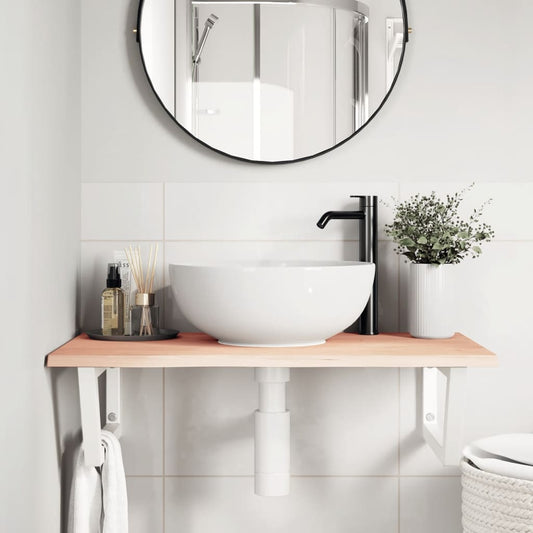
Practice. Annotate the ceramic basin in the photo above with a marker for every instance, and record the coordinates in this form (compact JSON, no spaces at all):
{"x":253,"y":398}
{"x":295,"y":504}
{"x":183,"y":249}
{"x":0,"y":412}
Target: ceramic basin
{"x":272,"y":303}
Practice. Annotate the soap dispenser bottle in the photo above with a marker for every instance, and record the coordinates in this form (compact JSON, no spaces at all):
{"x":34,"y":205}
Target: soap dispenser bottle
{"x":113,"y":303}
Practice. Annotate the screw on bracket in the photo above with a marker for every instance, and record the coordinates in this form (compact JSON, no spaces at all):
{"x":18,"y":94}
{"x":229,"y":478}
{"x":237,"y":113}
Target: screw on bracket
{"x":430,"y":417}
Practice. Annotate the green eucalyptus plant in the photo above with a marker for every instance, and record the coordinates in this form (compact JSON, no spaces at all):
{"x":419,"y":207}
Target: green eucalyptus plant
{"x":429,"y":230}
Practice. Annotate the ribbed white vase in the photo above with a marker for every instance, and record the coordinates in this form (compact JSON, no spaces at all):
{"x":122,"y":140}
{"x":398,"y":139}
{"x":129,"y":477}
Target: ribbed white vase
{"x":430,"y":301}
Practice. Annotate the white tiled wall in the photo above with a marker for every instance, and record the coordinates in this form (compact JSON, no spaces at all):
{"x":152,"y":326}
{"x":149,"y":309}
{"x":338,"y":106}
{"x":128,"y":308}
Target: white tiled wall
{"x":430,"y":504}
{"x":358,"y":459}
{"x":316,"y":505}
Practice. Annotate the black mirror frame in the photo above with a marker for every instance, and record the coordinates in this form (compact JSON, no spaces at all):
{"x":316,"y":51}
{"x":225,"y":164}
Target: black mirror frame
{"x":283,"y":162}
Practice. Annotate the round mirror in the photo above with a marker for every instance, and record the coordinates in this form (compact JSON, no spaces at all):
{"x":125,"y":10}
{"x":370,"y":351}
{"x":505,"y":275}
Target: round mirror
{"x":273,"y":81}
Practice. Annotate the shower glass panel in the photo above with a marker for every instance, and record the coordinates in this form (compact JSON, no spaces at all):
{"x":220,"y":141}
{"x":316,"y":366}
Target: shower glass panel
{"x":277,"y":81}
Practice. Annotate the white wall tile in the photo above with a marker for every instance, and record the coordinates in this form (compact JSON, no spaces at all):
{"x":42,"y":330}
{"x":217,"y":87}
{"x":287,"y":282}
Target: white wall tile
{"x":508,"y":213}
{"x":122,"y":211}
{"x":265,"y":211}
{"x":494,"y":295}
{"x":142,"y":421}
{"x":494,"y":307}
{"x":145,"y":504}
{"x":315,"y":505}
{"x":176,"y":252}
{"x":344,"y":421}
{"x":209,"y":421}
{"x":430,"y":504}
{"x":94,"y":258}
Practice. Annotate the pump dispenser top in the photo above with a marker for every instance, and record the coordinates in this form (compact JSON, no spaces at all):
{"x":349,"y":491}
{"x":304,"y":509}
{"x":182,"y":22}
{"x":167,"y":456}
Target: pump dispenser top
{"x":113,"y":276}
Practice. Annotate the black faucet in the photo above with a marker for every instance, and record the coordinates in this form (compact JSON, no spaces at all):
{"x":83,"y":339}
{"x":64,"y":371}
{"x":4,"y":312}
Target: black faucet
{"x":368,"y":252}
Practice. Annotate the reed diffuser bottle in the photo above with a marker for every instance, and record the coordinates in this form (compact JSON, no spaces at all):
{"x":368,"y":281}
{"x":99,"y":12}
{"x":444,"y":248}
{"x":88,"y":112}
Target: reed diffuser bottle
{"x":145,"y":315}
{"x":113,"y":303}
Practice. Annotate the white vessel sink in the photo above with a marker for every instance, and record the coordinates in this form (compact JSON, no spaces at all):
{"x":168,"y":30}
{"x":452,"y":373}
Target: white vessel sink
{"x":272,"y":303}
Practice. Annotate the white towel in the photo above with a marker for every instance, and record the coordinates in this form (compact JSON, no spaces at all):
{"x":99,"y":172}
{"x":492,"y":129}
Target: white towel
{"x":85,"y":507}
{"x":507,"y":455}
{"x":99,"y":502}
{"x":114,"y":495}
{"x":517,"y":447}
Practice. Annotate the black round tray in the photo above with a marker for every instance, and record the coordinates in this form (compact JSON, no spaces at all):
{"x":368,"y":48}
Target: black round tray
{"x":163,"y":334}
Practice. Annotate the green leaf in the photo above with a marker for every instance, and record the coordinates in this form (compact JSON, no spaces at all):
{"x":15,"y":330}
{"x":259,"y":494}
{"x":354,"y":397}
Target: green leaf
{"x":422,"y":240}
{"x":407,"y":241}
{"x":476,"y":249}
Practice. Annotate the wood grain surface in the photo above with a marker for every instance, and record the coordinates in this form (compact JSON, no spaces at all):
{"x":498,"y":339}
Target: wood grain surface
{"x":342,"y":350}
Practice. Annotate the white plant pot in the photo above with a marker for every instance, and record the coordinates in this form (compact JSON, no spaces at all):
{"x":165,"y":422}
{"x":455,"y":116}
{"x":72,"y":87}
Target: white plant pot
{"x":431,"y":301}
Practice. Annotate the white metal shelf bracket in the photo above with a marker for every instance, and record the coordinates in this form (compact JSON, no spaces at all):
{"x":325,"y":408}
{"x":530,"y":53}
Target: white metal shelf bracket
{"x":90,"y":410}
{"x":444,"y":396}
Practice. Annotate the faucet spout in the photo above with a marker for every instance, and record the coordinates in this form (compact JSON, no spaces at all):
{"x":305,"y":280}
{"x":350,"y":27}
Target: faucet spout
{"x":339,"y":215}
{"x":368,"y":252}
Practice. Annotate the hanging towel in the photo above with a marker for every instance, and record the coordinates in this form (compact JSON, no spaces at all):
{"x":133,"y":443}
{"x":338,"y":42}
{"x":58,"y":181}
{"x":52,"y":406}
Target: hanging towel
{"x":114,"y":495}
{"x":85,"y":507}
{"x":98,"y":497}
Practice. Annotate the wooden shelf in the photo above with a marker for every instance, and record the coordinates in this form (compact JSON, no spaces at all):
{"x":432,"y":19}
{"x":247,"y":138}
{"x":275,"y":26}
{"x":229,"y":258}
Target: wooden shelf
{"x":344,"y":350}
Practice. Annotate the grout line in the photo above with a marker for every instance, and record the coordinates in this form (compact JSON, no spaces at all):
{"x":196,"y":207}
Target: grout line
{"x":399,"y":321}
{"x":163,"y":447}
{"x":174,"y":58}
{"x":163,"y":391}
{"x":389,"y":181}
{"x":163,"y":503}
{"x":399,"y":294}
{"x":144,"y":476}
{"x":317,"y":241}
{"x":311,"y":476}
{"x":163,"y":209}
{"x":164,"y":317}
{"x":122,"y":240}
{"x":273,"y":240}
{"x":399,"y":443}
{"x":163,"y":374}
{"x":227,"y":240}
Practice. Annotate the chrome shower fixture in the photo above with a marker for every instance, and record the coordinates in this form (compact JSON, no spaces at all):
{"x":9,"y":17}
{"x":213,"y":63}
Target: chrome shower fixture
{"x":209,"y":23}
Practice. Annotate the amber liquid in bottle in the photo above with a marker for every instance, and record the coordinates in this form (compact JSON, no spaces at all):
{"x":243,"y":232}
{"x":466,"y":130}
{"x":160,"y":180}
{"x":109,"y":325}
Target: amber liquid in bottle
{"x":113,"y":312}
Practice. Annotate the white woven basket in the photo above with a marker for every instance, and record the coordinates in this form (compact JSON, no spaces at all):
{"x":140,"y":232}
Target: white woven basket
{"x":495,"y":504}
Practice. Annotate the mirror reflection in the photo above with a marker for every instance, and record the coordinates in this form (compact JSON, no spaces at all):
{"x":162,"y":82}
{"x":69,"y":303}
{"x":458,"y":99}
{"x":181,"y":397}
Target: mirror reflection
{"x":271,"y":81}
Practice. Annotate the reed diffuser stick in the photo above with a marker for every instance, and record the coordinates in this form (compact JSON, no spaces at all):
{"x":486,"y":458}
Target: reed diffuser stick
{"x":148,"y":269}
{"x":153,"y":267}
